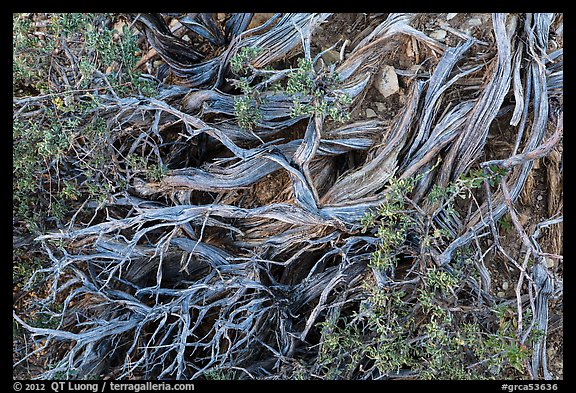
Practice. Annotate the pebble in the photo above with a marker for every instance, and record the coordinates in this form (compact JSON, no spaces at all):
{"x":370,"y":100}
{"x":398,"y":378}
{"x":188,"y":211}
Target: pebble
{"x":451,"y":15}
{"x":173,"y":23}
{"x":550,"y":263}
{"x":387,"y":81}
{"x":439,"y":34}
{"x":539,"y":197}
{"x":475,"y":22}
{"x":505,"y":285}
{"x":500,"y":294}
{"x":380,"y":106}
{"x":331,"y":57}
{"x":370,"y":113}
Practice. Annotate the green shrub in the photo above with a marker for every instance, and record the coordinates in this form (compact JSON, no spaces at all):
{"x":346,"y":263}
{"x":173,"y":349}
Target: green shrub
{"x":68,"y":133}
{"x":312,"y":93}
{"x":430,"y":327}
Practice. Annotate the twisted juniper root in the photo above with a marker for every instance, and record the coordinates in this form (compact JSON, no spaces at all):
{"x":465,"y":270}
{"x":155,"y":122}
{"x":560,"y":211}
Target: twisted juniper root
{"x":189,"y":273}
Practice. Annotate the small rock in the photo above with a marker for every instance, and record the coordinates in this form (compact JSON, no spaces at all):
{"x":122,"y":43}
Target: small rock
{"x":387,"y":81}
{"x":505,"y":285}
{"x":439,"y":34}
{"x":331,"y":56}
{"x":550,"y":263}
{"x":380,"y":106}
{"x":475,"y":22}
{"x":370,"y":113}
{"x":539,"y":197}
{"x":174,"y":24}
{"x":451,"y":15}
{"x":500,"y":294}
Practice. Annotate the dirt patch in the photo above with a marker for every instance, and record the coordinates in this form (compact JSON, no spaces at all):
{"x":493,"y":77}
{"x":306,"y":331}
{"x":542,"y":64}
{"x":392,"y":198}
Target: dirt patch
{"x":270,"y":189}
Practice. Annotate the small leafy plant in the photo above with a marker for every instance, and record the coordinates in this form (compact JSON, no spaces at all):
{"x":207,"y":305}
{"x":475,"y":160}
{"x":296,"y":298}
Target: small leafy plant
{"x":326,"y":101}
{"x":42,"y":148}
{"x":312,"y":93}
{"x":430,"y":328}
